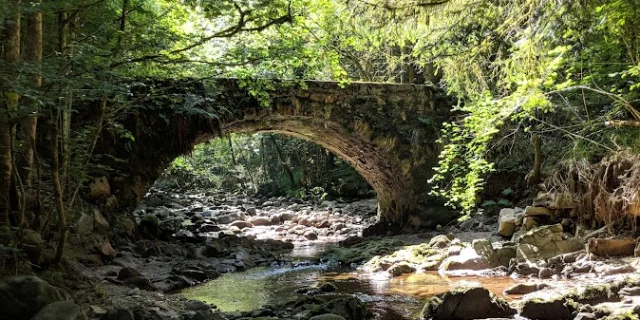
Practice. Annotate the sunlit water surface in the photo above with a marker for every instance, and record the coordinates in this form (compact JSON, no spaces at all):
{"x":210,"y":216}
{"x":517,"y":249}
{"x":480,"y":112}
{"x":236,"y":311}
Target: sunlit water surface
{"x":388,"y":298}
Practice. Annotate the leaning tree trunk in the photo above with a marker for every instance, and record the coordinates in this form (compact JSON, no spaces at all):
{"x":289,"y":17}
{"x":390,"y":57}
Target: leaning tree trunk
{"x":11,"y":59}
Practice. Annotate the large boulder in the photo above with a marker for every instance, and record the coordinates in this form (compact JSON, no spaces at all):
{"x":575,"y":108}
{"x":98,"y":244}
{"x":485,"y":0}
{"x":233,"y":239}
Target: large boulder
{"x":480,"y":256}
{"x":21,"y":297}
{"x":466,"y":304}
{"x":60,"y":310}
{"x":507,"y":222}
{"x":546,"y":242}
{"x":546,"y":310}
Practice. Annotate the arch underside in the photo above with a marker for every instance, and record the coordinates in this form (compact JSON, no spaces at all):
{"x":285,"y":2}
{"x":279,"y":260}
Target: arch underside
{"x":393,"y":189}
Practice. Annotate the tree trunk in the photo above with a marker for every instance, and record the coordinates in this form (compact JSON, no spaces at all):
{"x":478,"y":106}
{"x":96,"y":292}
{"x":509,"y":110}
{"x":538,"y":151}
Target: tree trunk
{"x":64,"y":22}
{"x":29,"y":122}
{"x":283,"y":163}
{"x":11,"y":59}
{"x":535,"y":174}
{"x":57,"y":189}
{"x":233,"y":155}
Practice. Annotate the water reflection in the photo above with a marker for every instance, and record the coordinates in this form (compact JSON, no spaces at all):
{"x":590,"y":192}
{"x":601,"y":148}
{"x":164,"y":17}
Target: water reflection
{"x":389,"y":298}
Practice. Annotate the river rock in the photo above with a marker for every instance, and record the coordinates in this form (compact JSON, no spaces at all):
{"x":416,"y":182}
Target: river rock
{"x":468,"y":259}
{"x":60,"y":310}
{"x":241,"y":224}
{"x":440,"y":241}
{"x":466,"y":304}
{"x":350,"y":308}
{"x":260,"y":221}
{"x":546,"y":310}
{"x":226,"y":217}
{"x":537,"y":211}
{"x":311,"y":235}
{"x":507,"y":222}
{"x":546,"y":242}
{"x":611,"y":247}
{"x":524,"y":288}
{"x":400,"y":268}
{"x":21,"y":297}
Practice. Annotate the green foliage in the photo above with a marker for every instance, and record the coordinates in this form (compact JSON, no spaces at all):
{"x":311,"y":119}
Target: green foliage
{"x":250,"y":163}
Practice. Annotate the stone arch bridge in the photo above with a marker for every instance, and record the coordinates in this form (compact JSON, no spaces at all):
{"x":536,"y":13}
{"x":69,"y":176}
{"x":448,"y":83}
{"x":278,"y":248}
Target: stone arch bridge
{"x":388,"y":132}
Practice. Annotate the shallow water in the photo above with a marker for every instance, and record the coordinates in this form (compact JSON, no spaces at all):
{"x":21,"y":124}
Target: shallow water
{"x":388,"y":298}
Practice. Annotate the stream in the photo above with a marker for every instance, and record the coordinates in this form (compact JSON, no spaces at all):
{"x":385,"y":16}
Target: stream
{"x":387,"y":298}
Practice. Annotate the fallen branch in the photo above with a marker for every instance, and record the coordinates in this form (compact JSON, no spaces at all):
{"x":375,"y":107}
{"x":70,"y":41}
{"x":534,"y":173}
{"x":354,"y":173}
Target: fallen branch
{"x":622,"y":123}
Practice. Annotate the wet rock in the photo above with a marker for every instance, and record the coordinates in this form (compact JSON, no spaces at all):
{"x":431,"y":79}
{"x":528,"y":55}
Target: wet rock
{"x":325,"y":287}
{"x":611,"y":247}
{"x":21,"y":297}
{"x":466,"y":304}
{"x":349,"y":308}
{"x":546,"y":310}
{"x":196,"y":305}
{"x":507,"y":222}
{"x":524,"y":288}
{"x":60,"y":310}
{"x":400,"y":268}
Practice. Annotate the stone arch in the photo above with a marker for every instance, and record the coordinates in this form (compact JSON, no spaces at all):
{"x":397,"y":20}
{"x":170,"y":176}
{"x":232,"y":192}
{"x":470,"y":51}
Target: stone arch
{"x":387,"y":132}
{"x":386,"y":180}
